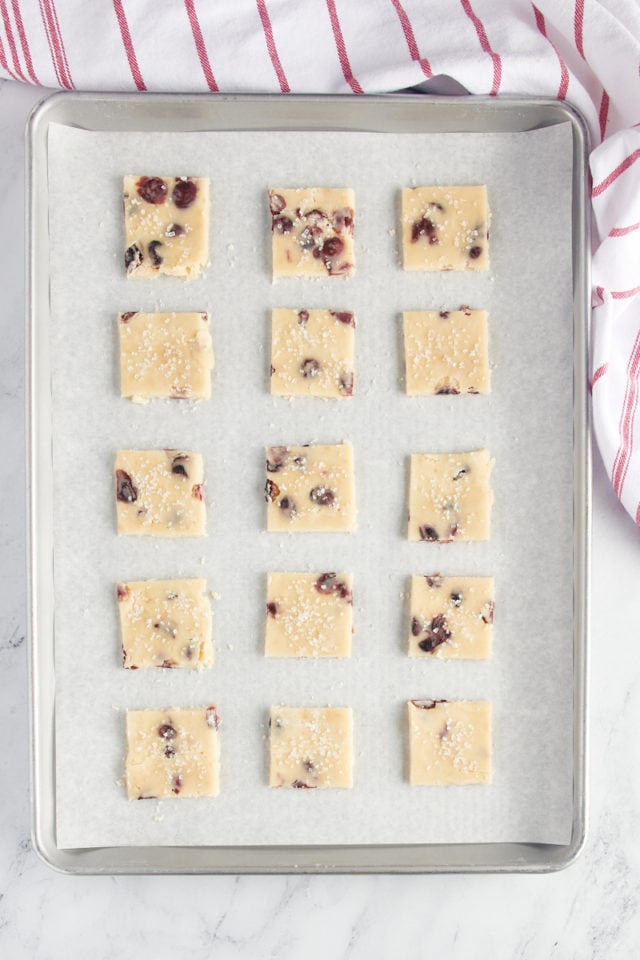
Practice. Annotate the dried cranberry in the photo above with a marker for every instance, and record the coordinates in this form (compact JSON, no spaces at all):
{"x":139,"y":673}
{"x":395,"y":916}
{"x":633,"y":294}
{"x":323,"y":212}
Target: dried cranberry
{"x":167,"y":731}
{"x":444,"y":314}
{"x":301,"y":785}
{"x":197,"y":492}
{"x":310,"y":368}
{"x":424,"y":228}
{"x":435,"y":580}
{"x":488,"y":616}
{"x":288,"y":506}
{"x":177,"y":783}
{"x":277,"y":202}
{"x":416,"y":627}
{"x":281,"y":225}
{"x":332,"y":248}
{"x":178,"y":465}
{"x":346,"y":383}
{"x":466,"y":309}
{"x":447,"y":391}
{"x":323,"y":496}
{"x":303,"y":317}
{"x":169,"y":750}
{"x":126,"y":490}
{"x":426,"y":704}
{"x":122,"y":591}
{"x":272,"y":609}
{"x":167,"y":627}
{"x":213,"y":720}
{"x":344,"y":316}
{"x":299,"y":463}
{"x":276,"y":457}
{"x":453,"y":529}
{"x":438,"y":632}
{"x":156,"y":259}
{"x":125,"y":317}
{"x":328,"y":583}
{"x":461,"y":473}
{"x":133,"y":258}
{"x":174,"y":230}
{"x":427,"y":533}
{"x":475,"y":252}
{"x":184,"y":193}
{"x":456,"y":599}
{"x":152,"y":189}
{"x":342,"y":219}
{"x":306,"y":239}
{"x":309,"y":765}
{"x":271,"y":491}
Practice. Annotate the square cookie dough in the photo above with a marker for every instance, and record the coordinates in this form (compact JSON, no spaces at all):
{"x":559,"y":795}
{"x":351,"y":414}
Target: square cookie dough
{"x":312,"y":232}
{"x":312,"y":353}
{"x":308,"y":615}
{"x":166,"y":225}
{"x":172,"y":753}
{"x":451,"y":617}
{"x":445,"y":228}
{"x":310,"y":747}
{"x":165,"y":355}
{"x":449,"y":742}
{"x":449,"y":496}
{"x":446,"y":351}
{"x":310,"y":488}
{"x":165,"y":623}
{"x":159,"y":493}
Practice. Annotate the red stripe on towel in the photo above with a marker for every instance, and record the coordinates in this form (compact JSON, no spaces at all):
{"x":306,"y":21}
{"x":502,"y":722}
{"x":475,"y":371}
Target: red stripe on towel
{"x":340,"y":47}
{"x":486,"y":46}
{"x":409,"y":36}
{"x":128,"y":45}
{"x":271,"y":46}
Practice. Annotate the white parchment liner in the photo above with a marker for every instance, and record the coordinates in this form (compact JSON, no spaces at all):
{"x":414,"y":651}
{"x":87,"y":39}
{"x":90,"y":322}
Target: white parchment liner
{"x":526,"y":423}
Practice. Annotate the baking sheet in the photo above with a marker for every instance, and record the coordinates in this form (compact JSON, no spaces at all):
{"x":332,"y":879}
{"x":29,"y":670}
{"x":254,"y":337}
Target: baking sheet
{"x":529,"y":679}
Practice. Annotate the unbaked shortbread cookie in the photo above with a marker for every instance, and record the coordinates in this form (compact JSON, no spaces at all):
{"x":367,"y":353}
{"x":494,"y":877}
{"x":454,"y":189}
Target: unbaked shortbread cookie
{"x":312,"y":232}
{"x":166,"y":223}
{"x":312,"y":353}
{"x":308,"y":615}
{"x":173,"y":753}
{"x":310,"y":488}
{"x":165,"y":623}
{"x":165,"y":355}
{"x":445,"y":228}
{"x":451,"y":617}
{"x":449,"y":742}
{"x":310,"y":747}
{"x":159,"y":493}
{"x":449,"y":496}
{"x":446,"y":352}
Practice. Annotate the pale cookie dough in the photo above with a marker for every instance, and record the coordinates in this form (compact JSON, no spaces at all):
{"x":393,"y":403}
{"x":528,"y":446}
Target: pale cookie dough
{"x":173,"y":753}
{"x":312,"y":353}
{"x":159,"y":493}
{"x":451,"y":617}
{"x":165,"y":355}
{"x":446,"y":352}
{"x":165,"y":623}
{"x":445,"y":228}
{"x":449,"y":742}
{"x":310,"y":488}
{"x":166,"y":222}
{"x":449,"y":496}
{"x":310,"y":747}
{"x":312,"y":232}
{"x":308,"y":615}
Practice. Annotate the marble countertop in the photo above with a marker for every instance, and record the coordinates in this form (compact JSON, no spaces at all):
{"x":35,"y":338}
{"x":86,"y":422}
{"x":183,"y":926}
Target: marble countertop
{"x":591,"y":909}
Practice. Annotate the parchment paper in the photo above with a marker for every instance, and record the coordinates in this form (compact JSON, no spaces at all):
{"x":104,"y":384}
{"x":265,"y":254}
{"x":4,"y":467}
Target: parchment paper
{"x":526,"y":423}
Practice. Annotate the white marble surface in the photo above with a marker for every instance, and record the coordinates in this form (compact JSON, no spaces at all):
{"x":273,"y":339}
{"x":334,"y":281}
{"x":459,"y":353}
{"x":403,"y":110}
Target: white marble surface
{"x":591,"y":910}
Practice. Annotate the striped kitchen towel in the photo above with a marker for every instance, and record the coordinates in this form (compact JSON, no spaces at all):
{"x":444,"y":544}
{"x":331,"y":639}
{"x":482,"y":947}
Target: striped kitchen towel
{"x":584,"y":51}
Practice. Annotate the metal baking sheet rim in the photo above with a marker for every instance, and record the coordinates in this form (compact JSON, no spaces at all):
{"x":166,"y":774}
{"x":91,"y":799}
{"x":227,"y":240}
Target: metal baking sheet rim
{"x":169,"y":112}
